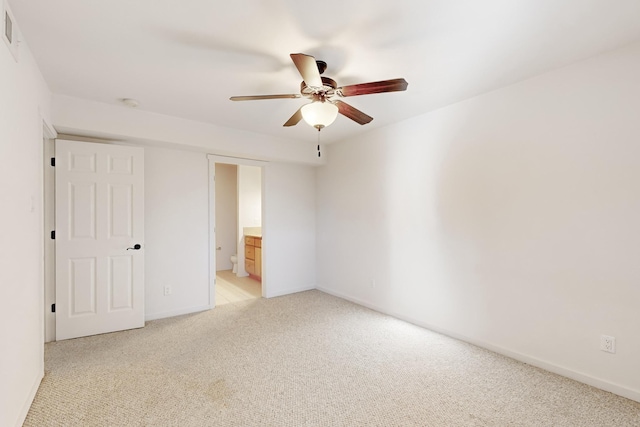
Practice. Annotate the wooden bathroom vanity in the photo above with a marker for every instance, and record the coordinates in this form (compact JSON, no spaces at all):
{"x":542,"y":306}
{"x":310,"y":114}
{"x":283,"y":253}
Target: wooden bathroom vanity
{"x":253,"y":256}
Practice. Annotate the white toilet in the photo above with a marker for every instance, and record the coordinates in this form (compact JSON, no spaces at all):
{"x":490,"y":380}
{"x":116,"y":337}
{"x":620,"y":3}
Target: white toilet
{"x":234,"y":261}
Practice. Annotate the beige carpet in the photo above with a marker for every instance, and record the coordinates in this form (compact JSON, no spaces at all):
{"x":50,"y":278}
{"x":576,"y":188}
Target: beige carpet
{"x":307,"y":359}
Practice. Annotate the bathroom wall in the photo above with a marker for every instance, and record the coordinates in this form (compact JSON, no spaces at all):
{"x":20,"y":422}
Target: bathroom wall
{"x":249,"y":206}
{"x":226,"y":214}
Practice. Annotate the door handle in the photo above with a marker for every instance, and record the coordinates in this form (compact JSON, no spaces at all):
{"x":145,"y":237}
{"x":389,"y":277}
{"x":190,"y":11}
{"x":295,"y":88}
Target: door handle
{"x":135,"y":247}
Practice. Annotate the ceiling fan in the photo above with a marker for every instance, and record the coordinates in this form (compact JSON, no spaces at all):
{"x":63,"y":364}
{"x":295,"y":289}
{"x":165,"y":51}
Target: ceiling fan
{"x":325,"y":94}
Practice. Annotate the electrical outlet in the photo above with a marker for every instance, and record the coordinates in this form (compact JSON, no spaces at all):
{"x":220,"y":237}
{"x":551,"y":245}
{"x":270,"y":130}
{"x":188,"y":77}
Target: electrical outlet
{"x":167,"y":290}
{"x":608,"y":343}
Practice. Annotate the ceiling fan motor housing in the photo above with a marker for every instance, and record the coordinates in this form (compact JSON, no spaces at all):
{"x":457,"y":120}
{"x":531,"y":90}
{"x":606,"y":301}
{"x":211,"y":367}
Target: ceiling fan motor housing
{"x":328,"y":89}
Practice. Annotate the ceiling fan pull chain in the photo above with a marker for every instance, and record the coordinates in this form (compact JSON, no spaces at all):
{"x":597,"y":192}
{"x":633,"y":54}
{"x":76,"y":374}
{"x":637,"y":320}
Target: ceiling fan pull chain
{"x":319,"y":141}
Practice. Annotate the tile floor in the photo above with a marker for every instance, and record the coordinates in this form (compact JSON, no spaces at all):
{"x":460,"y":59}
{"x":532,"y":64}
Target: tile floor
{"x":230,"y":288}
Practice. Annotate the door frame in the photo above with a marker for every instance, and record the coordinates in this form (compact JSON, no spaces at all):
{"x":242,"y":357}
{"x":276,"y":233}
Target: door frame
{"x":238,"y":161}
{"x":48,"y":223}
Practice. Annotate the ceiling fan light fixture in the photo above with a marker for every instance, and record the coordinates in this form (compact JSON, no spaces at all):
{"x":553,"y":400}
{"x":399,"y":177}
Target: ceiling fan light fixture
{"x":319,"y":114}
{"x":324,"y":94}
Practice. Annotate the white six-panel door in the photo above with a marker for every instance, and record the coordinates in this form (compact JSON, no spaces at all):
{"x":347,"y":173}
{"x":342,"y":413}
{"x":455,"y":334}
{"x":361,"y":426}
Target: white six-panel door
{"x":99,"y":214}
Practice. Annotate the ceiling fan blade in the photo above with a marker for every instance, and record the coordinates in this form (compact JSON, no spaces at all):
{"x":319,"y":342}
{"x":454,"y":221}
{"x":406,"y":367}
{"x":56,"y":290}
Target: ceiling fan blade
{"x":297,"y":116}
{"x":306,"y":65}
{"x":395,"y":85}
{"x":353,"y":113}
{"x":256,"y":97}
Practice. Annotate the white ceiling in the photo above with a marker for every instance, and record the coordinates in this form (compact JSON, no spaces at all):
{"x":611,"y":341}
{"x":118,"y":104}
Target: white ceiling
{"x":186,"y":58}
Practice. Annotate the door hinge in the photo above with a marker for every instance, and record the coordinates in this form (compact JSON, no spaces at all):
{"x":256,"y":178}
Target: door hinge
{"x":53,"y":235}
{"x":53,"y":161}
{"x":53,"y":308}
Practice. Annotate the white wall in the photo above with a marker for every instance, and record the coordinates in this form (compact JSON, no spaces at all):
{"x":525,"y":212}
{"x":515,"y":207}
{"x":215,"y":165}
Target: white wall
{"x":289,"y":238}
{"x":176,"y":232}
{"x":249,"y":206}
{"x":82,"y":117}
{"x":177,"y":229}
{"x":24,"y":103}
{"x":510,"y":220}
{"x":226,"y":214}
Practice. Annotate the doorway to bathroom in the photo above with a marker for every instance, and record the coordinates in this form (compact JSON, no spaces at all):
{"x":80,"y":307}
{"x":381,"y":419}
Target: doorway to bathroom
{"x":237,"y":225}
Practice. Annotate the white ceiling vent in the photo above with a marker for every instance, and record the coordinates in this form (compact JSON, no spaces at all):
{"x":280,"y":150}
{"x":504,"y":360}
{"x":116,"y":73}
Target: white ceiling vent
{"x":10,"y":32}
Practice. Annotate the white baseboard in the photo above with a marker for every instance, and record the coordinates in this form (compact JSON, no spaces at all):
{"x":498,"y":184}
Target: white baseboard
{"x":27,"y":404}
{"x":178,"y":312}
{"x":288,"y":291}
{"x":355,"y":300}
{"x":605,"y":385}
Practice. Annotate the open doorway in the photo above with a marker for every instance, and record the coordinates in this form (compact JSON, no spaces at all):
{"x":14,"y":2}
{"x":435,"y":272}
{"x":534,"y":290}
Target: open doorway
{"x":237,"y":229}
